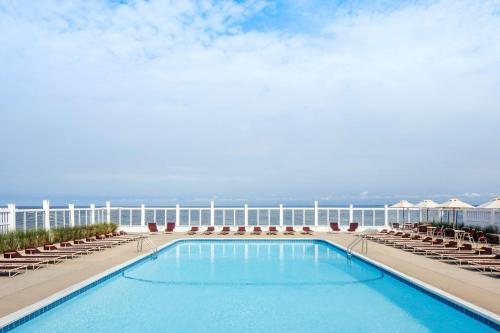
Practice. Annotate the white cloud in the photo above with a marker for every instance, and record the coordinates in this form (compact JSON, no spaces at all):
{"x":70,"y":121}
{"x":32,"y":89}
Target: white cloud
{"x":368,"y":103}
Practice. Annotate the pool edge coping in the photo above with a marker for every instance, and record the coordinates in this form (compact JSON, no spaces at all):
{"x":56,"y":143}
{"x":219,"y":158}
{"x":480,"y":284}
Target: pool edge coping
{"x":25,"y":312}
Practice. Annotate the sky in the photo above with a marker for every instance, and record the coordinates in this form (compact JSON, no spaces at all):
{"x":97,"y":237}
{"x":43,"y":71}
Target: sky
{"x":246,"y":101}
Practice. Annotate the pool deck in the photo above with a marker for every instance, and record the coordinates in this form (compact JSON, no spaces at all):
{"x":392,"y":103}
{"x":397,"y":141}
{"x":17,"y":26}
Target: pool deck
{"x":23,"y":290}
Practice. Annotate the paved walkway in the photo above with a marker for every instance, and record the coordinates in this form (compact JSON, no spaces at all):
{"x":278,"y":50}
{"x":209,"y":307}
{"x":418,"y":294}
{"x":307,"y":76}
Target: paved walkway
{"x":26,"y":289}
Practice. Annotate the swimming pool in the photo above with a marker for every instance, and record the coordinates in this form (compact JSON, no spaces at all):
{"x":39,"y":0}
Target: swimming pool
{"x":252,"y":286}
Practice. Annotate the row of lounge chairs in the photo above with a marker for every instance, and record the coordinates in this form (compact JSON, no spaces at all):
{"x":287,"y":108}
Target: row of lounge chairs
{"x":20,"y":261}
{"x":226,"y":230}
{"x":257,"y":230}
{"x":464,"y":254}
{"x":272,"y":230}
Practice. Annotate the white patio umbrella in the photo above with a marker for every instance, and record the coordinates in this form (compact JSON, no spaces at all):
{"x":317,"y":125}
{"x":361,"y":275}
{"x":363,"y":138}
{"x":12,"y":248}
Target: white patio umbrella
{"x":405,"y":205}
{"x":455,"y":204}
{"x":427,"y":204}
{"x":495,"y":204}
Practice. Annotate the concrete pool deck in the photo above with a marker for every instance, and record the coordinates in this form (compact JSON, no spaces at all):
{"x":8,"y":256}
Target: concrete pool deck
{"x":471,"y":286}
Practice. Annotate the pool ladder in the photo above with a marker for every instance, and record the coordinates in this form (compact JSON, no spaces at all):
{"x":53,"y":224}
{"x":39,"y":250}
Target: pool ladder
{"x":140,"y":245}
{"x":359,"y":239}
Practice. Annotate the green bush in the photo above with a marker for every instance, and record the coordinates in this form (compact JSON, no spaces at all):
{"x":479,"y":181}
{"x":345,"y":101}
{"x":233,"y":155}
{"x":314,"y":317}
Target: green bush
{"x":21,"y":239}
{"x":18,"y":239}
{"x":2,"y":242}
{"x":42,"y":237}
{"x":11,"y":242}
{"x":31,"y":239}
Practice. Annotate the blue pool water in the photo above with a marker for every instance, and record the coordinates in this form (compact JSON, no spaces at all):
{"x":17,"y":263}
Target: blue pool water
{"x":253,"y":286}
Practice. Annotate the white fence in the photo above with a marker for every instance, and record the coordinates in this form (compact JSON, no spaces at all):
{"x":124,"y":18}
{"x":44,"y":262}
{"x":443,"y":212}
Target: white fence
{"x":136,"y":218}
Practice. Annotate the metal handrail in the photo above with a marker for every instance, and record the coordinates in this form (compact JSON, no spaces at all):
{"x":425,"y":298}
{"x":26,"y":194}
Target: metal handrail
{"x":364,"y":245}
{"x":140,"y":244}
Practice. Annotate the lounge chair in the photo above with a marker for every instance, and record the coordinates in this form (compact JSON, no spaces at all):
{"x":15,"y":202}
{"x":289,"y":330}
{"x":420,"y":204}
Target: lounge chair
{"x":209,"y":231}
{"x":170,"y":227}
{"x":81,"y":244}
{"x":225,"y":231}
{"x":241,"y":231}
{"x":334,"y":226}
{"x":481,"y":238}
{"x":30,"y":262}
{"x":306,"y":231}
{"x":72,"y":252}
{"x":53,"y":259}
{"x":289,"y":231}
{"x":256,"y":231}
{"x":104,"y":242}
{"x":352,"y":227}
{"x":272,"y":230}
{"x":12,"y":269}
{"x":193,"y":230}
{"x":152,"y":227}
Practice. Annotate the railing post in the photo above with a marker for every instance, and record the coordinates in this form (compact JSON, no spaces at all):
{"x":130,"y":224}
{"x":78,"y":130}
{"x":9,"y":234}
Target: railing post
{"x":351,"y":213}
{"x":12,"y":217}
{"x":92,"y":213}
{"x":143,"y":215}
{"x":46,"y":214}
{"x":246,"y":215}
{"x":315,"y":213}
{"x":71,"y":208}
{"x":281,"y":215}
{"x":177,"y":215}
{"x":108,"y":212}
{"x":212,"y":214}
{"x":386,"y":215}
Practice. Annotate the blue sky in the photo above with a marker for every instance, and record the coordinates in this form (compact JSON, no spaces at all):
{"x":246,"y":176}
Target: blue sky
{"x":337,"y":101}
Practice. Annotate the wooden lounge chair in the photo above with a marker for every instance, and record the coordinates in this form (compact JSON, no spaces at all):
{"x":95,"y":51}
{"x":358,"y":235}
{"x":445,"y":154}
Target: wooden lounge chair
{"x":334,"y":226}
{"x":152,"y":227}
{"x":72,"y":252}
{"x":12,"y":269}
{"x":272,"y":230}
{"x":225,"y":231}
{"x":484,"y":264}
{"x":241,"y":231}
{"x":53,"y":259}
{"x":31,"y":263}
{"x":209,"y":231}
{"x":256,"y":231}
{"x":353,"y":226}
{"x":193,"y":230}
{"x":80,"y":244}
{"x":306,"y":231}
{"x":289,"y":231}
{"x":105,"y":241}
{"x":170,"y":227}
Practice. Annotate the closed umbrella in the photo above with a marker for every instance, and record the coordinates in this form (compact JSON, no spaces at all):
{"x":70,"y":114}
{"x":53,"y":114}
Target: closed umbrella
{"x":405,"y":205}
{"x":494,"y":204}
{"x":455,"y":204}
{"x":427,"y":204}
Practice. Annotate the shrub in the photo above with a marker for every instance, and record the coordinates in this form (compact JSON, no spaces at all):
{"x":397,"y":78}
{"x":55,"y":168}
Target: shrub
{"x":2,"y":242}
{"x":42,"y":237}
{"x":20,"y":239}
{"x":90,"y":231}
{"x":31,"y":239}
{"x":11,"y":242}
{"x":57,"y":235}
